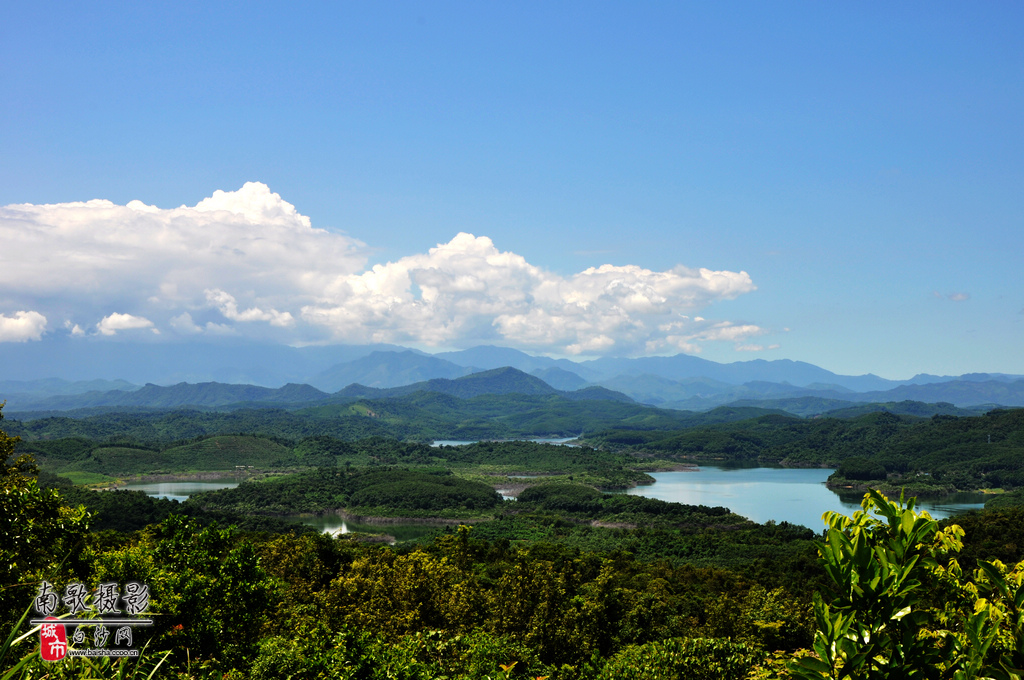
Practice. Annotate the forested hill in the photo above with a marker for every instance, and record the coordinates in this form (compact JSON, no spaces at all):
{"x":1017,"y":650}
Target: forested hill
{"x":223,"y":396}
{"x":421,"y":416}
{"x":211,"y":394}
{"x":495,"y":381}
{"x":937,"y":454}
{"x":942,"y":453}
{"x":841,"y":408}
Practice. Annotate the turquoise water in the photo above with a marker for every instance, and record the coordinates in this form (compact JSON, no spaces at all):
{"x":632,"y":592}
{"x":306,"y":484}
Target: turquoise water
{"x":798,"y":496}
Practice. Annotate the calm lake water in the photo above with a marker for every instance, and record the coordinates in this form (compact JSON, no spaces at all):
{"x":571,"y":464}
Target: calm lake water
{"x":798,"y":496}
{"x":179,"y":491}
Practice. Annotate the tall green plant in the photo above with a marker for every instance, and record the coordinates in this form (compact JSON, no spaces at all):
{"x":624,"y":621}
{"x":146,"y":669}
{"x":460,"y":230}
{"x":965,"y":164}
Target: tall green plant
{"x":36,"y":529}
{"x":902,"y":607}
{"x":878,"y":624}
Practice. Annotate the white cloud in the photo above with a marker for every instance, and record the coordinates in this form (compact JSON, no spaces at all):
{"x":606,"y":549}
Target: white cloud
{"x":248,"y":260}
{"x":184,"y":324}
{"x":74,"y":328}
{"x":754,"y":348}
{"x":110,"y":325}
{"x":93,"y":255}
{"x":228,"y":306}
{"x":725,"y":330}
{"x":468,"y":288}
{"x":22,"y":327}
{"x":687,"y":335}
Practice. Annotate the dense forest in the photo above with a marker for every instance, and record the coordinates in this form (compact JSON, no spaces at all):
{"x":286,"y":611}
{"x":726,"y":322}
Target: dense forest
{"x":565,"y":582}
{"x":431,"y":493}
{"x":935,"y":455}
{"x":876,"y":450}
{"x":420,"y":416}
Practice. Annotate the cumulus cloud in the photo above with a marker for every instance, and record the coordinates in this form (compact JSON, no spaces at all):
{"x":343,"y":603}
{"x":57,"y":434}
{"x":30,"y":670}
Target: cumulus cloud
{"x":228,"y":306}
{"x":185,"y":325}
{"x":687,"y":334}
{"x":110,"y":325}
{"x":95,"y":254}
{"x":247,"y":262}
{"x":22,"y":327}
{"x":469,"y":288}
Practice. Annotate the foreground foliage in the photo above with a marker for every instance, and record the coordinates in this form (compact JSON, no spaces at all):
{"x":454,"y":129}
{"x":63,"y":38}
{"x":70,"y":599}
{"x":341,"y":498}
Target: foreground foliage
{"x":902,"y":606}
{"x":36,"y":526}
{"x":569,"y":584}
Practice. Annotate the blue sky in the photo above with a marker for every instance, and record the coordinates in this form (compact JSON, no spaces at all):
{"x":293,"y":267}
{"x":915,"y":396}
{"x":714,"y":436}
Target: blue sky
{"x":861,"y":165}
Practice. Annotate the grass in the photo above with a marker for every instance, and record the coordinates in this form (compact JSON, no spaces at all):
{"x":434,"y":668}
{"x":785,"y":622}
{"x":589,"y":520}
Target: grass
{"x":88,"y":478}
{"x":225,"y":452}
{"x":215,"y":454}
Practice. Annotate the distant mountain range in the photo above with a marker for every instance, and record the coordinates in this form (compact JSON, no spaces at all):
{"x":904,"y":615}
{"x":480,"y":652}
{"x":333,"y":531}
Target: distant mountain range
{"x":506,"y":380}
{"x":388,"y":369}
{"x":211,"y":395}
{"x":497,"y":381}
{"x":218,"y":376}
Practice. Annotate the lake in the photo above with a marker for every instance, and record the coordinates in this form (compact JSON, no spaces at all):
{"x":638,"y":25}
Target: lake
{"x":795,"y":495}
{"x":179,"y":491}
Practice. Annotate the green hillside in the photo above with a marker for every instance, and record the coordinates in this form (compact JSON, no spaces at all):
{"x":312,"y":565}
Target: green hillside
{"x":383,"y":491}
{"x":419,"y":416}
{"x":880,"y":449}
{"x":214,"y":453}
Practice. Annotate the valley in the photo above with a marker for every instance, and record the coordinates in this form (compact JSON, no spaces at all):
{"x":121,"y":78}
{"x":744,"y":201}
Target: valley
{"x":337,"y":500}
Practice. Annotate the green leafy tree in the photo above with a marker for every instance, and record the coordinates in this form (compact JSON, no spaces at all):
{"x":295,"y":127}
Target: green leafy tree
{"x":694,"y":659}
{"x":903,"y":609}
{"x":37,"y":530}
{"x":873,"y":627}
{"x":987,"y":614}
